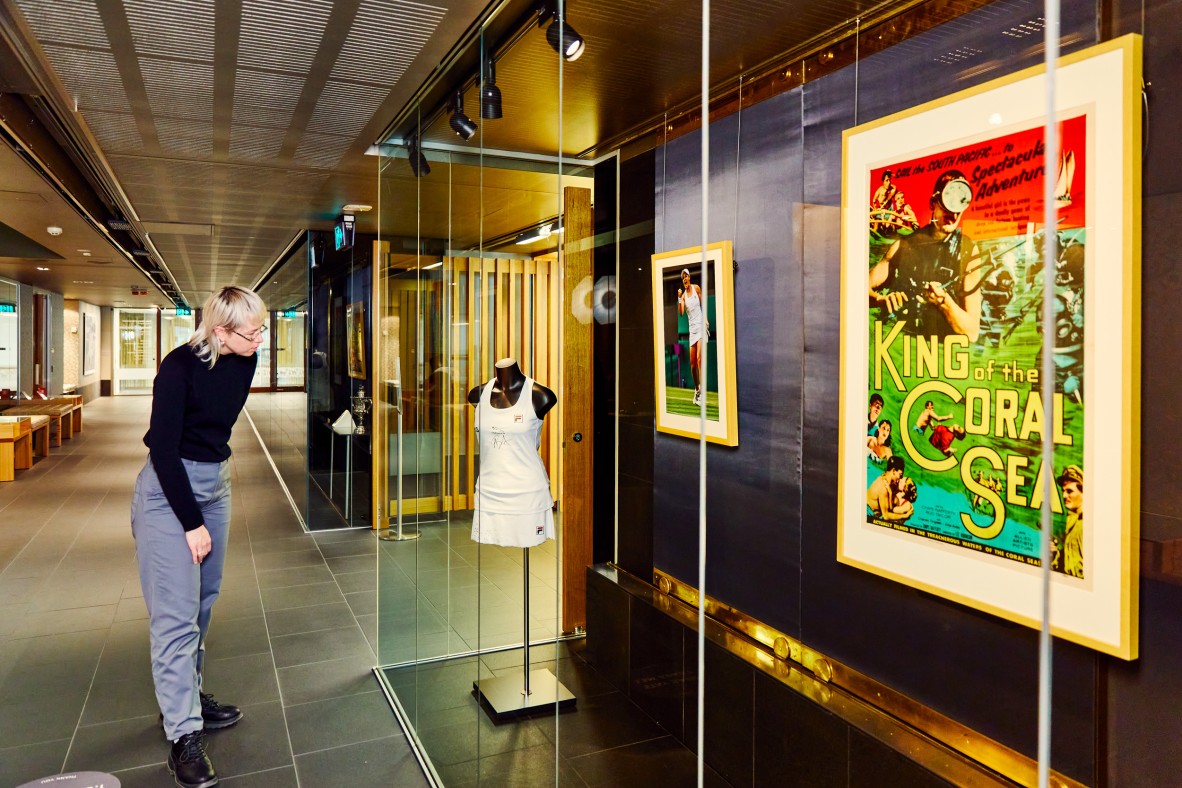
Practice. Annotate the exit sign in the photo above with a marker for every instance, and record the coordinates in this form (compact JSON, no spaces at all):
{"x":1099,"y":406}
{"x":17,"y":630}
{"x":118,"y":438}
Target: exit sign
{"x":183,"y":311}
{"x":291,"y":313}
{"x":7,"y":309}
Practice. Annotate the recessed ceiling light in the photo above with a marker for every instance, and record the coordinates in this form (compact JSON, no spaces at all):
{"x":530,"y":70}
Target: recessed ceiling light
{"x":83,"y":282}
{"x":54,"y":230}
{"x":86,"y":254}
{"x":84,"y":251}
{"x":42,"y":268}
{"x":357,"y":207}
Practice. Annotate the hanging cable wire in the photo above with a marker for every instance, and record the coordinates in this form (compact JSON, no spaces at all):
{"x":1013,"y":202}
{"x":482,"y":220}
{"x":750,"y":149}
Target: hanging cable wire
{"x":1049,"y":255}
{"x":702,"y":405}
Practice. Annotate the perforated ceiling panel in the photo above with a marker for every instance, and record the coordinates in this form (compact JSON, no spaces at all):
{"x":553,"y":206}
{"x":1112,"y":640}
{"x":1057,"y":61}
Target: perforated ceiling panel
{"x":384,"y":40}
{"x":75,"y":22}
{"x":91,"y":77}
{"x":263,"y":98}
{"x":155,"y":32}
{"x":281,"y":36}
{"x":179,"y":89}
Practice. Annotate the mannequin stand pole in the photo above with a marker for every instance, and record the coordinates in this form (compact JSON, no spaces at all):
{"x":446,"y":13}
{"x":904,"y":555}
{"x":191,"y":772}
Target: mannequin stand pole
{"x":395,"y":534}
{"x":533,"y":692}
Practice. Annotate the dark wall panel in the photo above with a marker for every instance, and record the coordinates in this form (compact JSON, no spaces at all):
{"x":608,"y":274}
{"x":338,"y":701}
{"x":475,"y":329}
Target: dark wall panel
{"x":771,"y":501}
{"x":753,"y":494}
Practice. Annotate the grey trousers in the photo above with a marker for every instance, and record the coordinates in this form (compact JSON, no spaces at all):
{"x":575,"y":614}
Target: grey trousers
{"x":179,"y":594}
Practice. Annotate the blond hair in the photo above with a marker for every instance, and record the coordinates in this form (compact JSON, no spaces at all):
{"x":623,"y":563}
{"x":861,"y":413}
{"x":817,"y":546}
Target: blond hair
{"x":231,"y":307}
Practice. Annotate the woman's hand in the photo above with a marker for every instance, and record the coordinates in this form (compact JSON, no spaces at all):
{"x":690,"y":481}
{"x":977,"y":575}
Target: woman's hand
{"x":200,"y":543}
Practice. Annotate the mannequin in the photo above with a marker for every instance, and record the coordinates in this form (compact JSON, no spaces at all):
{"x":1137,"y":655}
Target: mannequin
{"x":507,"y":388}
{"x":513,"y":506}
{"x":514,"y":509}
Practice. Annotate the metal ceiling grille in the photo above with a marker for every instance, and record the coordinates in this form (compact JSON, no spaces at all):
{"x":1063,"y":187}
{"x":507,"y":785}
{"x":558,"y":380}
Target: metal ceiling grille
{"x":385,"y":38}
{"x":91,"y":77}
{"x":179,"y":89}
{"x":345,"y":108}
{"x":282,"y":36}
{"x":115,"y":131}
{"x":322,"y":150}
{"x":168,"y":28}
{"x":66,"y":21}
{"x":185,"y":137}
{"x":254,"y":143}
{"x":266,"y":99}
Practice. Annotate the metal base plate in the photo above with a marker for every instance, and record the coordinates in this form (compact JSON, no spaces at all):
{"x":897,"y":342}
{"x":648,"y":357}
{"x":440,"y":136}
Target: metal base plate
{"x":392,"y":535}
{"x":504,"y":697}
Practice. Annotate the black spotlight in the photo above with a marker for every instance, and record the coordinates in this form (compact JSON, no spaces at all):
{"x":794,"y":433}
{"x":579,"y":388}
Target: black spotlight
{"x":563,"y":38}
{"x":490,"y":94}
{"x":460,"y":123}
{"x":418,"y":162}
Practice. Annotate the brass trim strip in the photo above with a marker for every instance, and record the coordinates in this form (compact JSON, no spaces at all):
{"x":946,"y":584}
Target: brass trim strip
{"x":764,"y":646}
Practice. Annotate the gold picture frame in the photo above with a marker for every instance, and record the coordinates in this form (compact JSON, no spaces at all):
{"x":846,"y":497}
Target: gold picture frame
{"x":941,"y":336}
{"x":684,"y":331}
{"x":355,"y":325}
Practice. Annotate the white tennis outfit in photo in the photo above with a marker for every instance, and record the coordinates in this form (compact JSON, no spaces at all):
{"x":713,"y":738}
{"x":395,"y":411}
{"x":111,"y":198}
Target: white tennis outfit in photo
{"x":513,"y":503}
{"x":693,"y":313}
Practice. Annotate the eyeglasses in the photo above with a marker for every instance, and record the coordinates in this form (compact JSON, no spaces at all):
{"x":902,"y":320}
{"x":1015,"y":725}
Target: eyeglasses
{"x":254,"y":336}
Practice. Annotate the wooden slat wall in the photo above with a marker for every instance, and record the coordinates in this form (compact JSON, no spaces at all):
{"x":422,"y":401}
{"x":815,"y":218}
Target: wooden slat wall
{"x":507,"y":309}
{"x":576,"y":398}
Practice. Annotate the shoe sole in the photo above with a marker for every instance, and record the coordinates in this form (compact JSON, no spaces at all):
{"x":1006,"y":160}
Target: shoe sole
{"x":213,"y":726}
{"x":175,"y":779}
{"x":224,"y":723}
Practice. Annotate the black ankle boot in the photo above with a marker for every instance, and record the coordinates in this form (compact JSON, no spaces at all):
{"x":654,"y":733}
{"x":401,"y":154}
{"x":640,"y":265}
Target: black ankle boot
{"x":217,"y":715}
{"x":189,"y":764}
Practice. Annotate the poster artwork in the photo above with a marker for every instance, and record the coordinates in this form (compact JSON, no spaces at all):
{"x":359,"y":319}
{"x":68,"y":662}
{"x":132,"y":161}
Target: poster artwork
{"x":955,"y":417}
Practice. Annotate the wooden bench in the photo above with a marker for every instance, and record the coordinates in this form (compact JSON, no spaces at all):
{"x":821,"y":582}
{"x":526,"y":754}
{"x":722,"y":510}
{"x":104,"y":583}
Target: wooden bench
{"x":76,"y":414}
{"x":61,"y":415}
{"x":16,"y":446}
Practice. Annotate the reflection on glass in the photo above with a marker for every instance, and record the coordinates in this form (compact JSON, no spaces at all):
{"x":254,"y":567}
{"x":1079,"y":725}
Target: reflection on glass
{"x":135,"y":358}
{"x":289,"y":350}
{"x":9,"y":337}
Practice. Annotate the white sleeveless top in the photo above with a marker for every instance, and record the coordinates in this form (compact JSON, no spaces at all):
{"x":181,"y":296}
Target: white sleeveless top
{"x":513,"y":503}
{"x":693,"y":313}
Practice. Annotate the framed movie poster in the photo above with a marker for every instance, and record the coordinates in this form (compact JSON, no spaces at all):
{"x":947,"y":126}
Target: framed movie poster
{"x":355,"y":325}
{"x":694,"y":338}
{"x":941,"y":487}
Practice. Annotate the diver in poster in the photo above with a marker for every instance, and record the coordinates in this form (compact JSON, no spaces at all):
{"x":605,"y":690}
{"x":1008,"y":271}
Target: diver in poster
{"x":689,"y":303}
{"x":931,"y":278}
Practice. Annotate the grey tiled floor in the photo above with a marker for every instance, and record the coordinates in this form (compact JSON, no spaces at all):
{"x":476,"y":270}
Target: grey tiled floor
{"x":286,"y":643}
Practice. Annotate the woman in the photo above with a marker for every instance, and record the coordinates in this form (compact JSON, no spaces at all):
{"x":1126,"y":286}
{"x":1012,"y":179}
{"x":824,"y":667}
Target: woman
{"x":180,"y":515}
{"x":879,"y":446}
{"x":689,"y":303}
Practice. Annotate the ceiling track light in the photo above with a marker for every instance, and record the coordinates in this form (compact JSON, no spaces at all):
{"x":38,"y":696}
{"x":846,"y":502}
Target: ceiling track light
{"x":490,"y":94}
{"x":562,"y":38}
{"x":460,"y":123}
{"x":418,"y":162}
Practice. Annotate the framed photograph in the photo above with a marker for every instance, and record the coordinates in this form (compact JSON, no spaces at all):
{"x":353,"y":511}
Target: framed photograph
{"x":694,"y":338}
{"x":943,"y":228}
{"x":355,"y":326}
{"x":89,"y":344}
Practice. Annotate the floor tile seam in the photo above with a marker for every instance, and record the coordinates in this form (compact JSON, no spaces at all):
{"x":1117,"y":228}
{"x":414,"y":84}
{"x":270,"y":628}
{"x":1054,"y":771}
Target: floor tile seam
{"x":270,"y":642}
{"x":401,"y":736}
{"x":376,"y":689}
{"x":89,"y":691}
{"x":44,"y":524}
{"x":630,"y":744}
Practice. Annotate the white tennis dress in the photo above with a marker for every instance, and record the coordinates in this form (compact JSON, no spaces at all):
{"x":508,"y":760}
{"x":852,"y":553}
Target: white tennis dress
{"x":513,"y":503}
{"x":693,"y":313}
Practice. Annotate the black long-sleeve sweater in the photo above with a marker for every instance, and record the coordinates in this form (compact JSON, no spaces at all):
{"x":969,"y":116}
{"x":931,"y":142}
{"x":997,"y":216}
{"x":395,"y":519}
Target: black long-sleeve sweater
{"x":193,"y":412}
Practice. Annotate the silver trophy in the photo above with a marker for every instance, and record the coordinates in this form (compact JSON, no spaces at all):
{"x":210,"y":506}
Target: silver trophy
{"x":361,"y":406}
